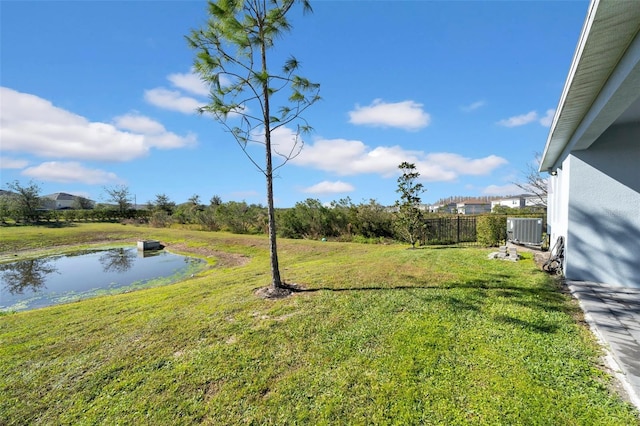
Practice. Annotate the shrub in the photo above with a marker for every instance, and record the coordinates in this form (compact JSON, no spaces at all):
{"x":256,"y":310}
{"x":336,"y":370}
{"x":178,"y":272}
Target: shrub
{"x":70,"y":215}
{"x":160,"y":219}
{"x":207,"y":219}
{"x":491,"y":230}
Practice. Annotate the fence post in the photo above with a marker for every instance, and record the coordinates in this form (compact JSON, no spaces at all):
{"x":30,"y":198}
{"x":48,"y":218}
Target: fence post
{"x":458,"y":230}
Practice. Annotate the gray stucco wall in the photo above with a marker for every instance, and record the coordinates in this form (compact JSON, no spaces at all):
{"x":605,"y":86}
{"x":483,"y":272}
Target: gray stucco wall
{"x":603,"y":240}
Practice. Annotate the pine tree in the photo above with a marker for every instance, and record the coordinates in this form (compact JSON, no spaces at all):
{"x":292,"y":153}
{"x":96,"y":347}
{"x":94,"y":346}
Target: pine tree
{"x":233,"y":58}
{"x":409,"y":219}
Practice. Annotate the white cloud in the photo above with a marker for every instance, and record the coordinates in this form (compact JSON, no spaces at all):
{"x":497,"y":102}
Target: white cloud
{"x":326,"y":187}
{"x":178,"y":100}
{"x":172,"y":100}
{"x":519,"y":120}
{"x":548,"y":118}
{"x":181,"y":99}
{"x":351,"y":157}
{"x":154,"y":132}
{"x":466,"y":166}
{"x":341,"y":156}
{"x":68,"y":172}
{"x":285,"y":141}
{"x":407,"y":115}
{"x":190,"y":82}
{"x":474,"y":106}
{"x":530,"y":117}
{"x":508,"y":189}
{"x":30,"y":124}
{"x":139,"y":124}
{"x":12,"y":163}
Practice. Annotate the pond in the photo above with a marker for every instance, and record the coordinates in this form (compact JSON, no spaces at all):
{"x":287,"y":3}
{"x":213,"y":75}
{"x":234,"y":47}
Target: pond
{"x":35,"y":283}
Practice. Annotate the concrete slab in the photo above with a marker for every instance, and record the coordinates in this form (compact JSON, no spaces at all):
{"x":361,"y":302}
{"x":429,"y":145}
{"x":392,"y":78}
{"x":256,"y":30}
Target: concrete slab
{"x":613,"y":314}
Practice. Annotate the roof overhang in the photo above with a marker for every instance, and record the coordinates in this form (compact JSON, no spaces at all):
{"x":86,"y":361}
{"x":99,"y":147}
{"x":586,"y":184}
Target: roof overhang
{"x":603,"y":85}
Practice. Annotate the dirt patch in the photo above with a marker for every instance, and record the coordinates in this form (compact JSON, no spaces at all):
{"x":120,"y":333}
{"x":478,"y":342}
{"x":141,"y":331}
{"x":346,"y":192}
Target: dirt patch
{"x":280,"y":292}
{"x":273,"y":293}
{"x":224,"y":259}
{"x":540,"y":257}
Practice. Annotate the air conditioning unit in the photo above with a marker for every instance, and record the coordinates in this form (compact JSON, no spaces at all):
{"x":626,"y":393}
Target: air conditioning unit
{"x":524,"y":230}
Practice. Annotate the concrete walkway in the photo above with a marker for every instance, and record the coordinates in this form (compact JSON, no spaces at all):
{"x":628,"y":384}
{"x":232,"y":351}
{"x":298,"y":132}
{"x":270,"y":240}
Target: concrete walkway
{"x":614,"y":316}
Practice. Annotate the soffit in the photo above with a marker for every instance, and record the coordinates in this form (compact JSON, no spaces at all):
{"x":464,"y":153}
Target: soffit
{"x":610,"y":27}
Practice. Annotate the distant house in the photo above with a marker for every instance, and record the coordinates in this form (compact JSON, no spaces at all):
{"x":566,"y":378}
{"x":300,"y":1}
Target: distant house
{"x":593,"y":150}
{"x":396,"y":209}
{"x":516,"y":202}
{"x":535,"y":201}
{"x":62,"y":200}
{"x":443,"y":208}
{"x":473,"y":207}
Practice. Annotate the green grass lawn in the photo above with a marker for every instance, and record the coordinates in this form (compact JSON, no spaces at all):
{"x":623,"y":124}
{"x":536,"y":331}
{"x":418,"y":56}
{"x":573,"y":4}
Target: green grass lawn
{"x":384,"y":335}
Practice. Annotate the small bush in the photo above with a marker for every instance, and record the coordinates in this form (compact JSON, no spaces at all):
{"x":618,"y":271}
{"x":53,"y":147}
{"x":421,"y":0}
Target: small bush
{"x":160,"y":219}
{"x":491,"y":230}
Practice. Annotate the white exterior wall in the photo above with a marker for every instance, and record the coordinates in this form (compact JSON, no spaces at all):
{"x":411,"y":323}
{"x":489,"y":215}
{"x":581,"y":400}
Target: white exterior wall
{"x":514,"y":203}
{"x":533,"y":202}
{"x":558,"y":203}
{"x":600,"y":214}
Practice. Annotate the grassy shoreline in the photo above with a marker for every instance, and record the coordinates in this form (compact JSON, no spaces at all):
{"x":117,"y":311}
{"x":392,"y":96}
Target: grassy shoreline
{"x":384,"y":335}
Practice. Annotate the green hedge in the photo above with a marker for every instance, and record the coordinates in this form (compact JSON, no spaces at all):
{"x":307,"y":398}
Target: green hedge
{"x":491,"y":230}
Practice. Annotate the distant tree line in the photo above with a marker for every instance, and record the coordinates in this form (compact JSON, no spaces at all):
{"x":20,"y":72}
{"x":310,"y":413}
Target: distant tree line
{"x":463,"y":198}
{"x":23,"y":204}
{"x":342,"y":220}
{"x":311,"y":219}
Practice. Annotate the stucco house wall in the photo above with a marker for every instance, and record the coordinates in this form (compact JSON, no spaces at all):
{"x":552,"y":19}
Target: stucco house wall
{"x":593,"y":151}
{"x":602,"y":209}
{"x":513,"y":202}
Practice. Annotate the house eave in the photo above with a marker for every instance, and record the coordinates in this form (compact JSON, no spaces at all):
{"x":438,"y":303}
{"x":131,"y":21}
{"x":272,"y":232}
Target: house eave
{"x":603,"y":80}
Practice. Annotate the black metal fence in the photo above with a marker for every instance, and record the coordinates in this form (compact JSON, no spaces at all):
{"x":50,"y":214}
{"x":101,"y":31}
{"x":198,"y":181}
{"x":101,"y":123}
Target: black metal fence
{"x":450,"y":230}
{"x":461,"y":229}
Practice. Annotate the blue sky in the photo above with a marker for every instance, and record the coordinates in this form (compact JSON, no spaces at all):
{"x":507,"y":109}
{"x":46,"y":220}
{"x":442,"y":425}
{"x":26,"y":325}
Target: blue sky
{"x":97,"y":94}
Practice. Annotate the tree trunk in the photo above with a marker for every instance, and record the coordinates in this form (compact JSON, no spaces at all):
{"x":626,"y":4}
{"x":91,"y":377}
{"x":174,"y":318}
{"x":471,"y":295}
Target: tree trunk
{"x":276,"y":282}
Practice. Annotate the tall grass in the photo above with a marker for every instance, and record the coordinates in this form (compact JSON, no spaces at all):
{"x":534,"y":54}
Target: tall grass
{"x":382,"y":335}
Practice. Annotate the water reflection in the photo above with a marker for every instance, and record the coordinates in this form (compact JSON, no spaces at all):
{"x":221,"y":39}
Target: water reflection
{"x":117,"y":260}
{"x":34,"y":283}
{"x":24,"y":275}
